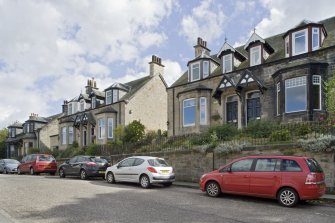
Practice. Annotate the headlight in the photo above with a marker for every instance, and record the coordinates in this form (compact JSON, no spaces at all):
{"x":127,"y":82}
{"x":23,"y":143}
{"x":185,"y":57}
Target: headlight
{"x":203,"y":176}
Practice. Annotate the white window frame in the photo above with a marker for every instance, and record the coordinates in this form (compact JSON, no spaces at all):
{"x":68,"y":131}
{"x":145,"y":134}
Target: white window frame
{"x":64,"y":136}
{"x":318,"y":38}
{"x":110,"y":128}
{"x":205,"y":69}
{"x":203,"y":109}
{"x":109,"y":97}
{"x":295,"y":82}
{"x":228,"y":57}
{"x":71,"y":135}
{"x":253,"y":51}
{"x":195,"y":115}
{"x":316,"y":80}
{"x":69,"y":109}
{"x":278,"y":94}
{"x":294,"y":40}
{"x":82,"y":105}
{"x":101,"y":128}
{"x":94,"y":102}
{"x":192,"y":65}
{"x":287,"y":47}
{"x":115,"y":96}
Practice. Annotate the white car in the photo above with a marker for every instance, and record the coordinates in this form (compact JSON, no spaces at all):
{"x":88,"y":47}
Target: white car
{"x":145,"y":170}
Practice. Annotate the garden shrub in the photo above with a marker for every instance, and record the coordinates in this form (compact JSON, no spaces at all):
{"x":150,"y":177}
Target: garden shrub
{"x":321,"y":144}
{"x":227,"y":148}
{"x":281,"y":135}
{"x":134,"y":132}
{"x":223,"y":132}
{"x":259,"y":128}
{"x":92,"y":150}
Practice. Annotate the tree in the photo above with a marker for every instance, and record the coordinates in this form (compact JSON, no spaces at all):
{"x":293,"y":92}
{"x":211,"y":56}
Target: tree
{"x":3,"y":137}
{"x":134,"y":132}
{"x":330,"y":96}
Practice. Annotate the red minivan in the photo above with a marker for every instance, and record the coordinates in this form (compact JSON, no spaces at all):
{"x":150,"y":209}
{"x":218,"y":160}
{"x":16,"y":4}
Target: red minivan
{"x":38,"y":163}
{"x":285,"y":178}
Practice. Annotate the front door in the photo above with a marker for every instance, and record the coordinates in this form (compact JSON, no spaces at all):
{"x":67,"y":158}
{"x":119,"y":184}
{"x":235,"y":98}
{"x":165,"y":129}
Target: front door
{"x":84,"y":137}
{"x":253,"y":106}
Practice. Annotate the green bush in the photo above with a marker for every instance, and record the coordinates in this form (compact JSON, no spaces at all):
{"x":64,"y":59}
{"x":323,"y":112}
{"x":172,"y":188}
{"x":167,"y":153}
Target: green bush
{"x":281,"y":135}
{"x":32,"y":150}
{"x":134,"y":132}
{"x":301,"y":129}
{"x":223,"y":132}
{"x":92,"y":150}
{"x":227,"y":148}
{"x":324,"y":143}
{"x":259,"y":128}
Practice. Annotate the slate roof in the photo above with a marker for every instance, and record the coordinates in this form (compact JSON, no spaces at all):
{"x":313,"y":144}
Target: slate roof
{"x":98,"y":93}
{"x":277,"y":43}
{"x":135,"y":85}
{"x":16,"y":125}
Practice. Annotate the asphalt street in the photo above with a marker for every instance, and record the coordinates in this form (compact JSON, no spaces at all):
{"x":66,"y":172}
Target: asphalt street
{"x":25,"y":198}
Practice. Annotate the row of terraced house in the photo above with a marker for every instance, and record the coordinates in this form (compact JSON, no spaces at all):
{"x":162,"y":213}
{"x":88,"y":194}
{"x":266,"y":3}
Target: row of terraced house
{"x":279,"y":78}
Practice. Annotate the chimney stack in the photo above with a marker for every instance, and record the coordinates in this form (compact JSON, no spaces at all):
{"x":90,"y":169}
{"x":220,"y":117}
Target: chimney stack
{"x":91,"y":84}
{"x":64,"y":107}
{"x":201,"y":48}
{"x":156,"y":66}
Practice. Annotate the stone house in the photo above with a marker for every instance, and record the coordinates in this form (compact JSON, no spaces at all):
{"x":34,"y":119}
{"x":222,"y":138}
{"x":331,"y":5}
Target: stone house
{"x":277,"y":78}
{"x":92,"y":116}
{"x":36,"y":132}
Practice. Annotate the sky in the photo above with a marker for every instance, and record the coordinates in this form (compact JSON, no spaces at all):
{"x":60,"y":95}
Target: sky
{"x":49,"y":49}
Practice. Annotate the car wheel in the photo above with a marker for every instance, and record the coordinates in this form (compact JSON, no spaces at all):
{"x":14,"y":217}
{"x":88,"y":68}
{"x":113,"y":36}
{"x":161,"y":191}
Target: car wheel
{"x":167,"y":184}
{"x":32,"y":172}
{"x":19,"y":171}
{"x":61,"y":173}
{"x":287,"y":197}
{"x":83,"y":175}
{"x":213,"y":189}
{"x":110,"y":178}
{"x":145,"y":181}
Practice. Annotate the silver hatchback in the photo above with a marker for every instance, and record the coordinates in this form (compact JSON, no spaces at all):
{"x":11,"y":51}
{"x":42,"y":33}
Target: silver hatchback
{"x":145,"y":170}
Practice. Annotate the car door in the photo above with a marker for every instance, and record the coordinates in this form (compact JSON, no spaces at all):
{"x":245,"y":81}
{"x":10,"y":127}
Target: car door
{"x":135,"y":170}
{"x":236,"y":177}
{"x":25,"y":164}
{"x":70,"y":168}
{"x":266,"y":177}
{"x":2,"y":164}
{"x":123,"y":172}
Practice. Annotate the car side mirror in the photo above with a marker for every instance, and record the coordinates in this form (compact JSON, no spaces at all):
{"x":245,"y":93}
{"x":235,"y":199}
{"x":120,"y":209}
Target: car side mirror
{"x":67,"y":161}
{"x":118,"y":166}
{"x":226,"y":169}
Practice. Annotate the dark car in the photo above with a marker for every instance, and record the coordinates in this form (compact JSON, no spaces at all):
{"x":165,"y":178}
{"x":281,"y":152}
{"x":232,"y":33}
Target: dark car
{"x":8,"y":166}
{"x":84,"y":166}
{"x":37,"y":163}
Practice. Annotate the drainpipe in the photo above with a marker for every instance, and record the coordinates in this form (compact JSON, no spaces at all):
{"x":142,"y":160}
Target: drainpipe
{"x":173,"y":110}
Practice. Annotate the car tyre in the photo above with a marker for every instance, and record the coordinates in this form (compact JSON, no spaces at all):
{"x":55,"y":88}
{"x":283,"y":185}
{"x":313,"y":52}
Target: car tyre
{"x":213,"y":189}
{"x":19,"y":171}
{"x":61,"y":173}
{"x":288,"y":197}
{"x":32,"y":172}
{"x":110,"y":178}
{"x":83,"y":174}
{"x":145,"y":181}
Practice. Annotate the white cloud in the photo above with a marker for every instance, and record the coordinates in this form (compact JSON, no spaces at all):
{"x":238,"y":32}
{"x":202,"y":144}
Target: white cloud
{"x":50,"y":48}
{"x":206,"y":21}
{"x":172,"y":71}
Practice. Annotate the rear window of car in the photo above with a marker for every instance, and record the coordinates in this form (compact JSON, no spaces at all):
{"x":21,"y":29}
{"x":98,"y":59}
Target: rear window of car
{"x":157,"y":162}
{"x":98,"y":160}
{"x":314,"y":166}
{"x":46,"y":158}
{"x":290,"y":166}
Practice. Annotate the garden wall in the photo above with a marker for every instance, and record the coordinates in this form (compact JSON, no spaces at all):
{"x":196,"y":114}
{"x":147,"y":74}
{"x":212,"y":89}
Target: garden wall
{"x":191,"y":164}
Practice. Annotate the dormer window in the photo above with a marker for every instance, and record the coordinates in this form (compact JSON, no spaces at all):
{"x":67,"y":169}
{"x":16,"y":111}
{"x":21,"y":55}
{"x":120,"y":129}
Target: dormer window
{"x":287,"y":47}
{"x":255,"y":55}
{"x":82,"y":105}
{"x":299,"y":42}
{"x":70,"y":109}
{"x":109,"y":97}
{"x":115,"y":96}
{"x":205,"y":69}
{"x":315,"y":38}
{"x":94,"y":102}
{"x":227,"y":63}
{"x":195,"y":72}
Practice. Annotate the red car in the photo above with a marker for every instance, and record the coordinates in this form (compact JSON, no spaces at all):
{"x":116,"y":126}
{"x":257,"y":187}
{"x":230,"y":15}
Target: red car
{"x":285,"y":178}
{"x":38,"y":163}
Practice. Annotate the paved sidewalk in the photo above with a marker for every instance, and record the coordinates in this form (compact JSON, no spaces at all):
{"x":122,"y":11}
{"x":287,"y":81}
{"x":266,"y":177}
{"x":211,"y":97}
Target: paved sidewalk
{"x":196,"y":186}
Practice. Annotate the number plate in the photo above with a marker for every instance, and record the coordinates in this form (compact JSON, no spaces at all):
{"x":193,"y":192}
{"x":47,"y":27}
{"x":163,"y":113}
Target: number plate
{"x":101,"y":171}
{"x":165,"y":171}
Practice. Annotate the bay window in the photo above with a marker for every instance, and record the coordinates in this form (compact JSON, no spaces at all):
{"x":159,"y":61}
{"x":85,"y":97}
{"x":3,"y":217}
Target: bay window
{"x":316,"y":90}
{"x":64,"y":136}
{"x":71,"y":135}
{"x":101,"y":128}
{"x":295,"y":94}
{"x":189,"y":110}
{"x":203,"y":111}
{"x":110,"y":128}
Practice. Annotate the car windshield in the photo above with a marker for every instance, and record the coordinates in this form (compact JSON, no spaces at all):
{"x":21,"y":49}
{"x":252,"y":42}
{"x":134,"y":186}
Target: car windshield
{"x":12,"y":161}
{"x":157,"y":162}
{"x":314,"y":166}
{"x":46,"y":158}
{"x":98,"y":160}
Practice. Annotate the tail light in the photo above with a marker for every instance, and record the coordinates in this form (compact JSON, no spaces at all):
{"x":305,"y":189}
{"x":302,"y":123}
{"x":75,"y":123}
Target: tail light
{"x":151,"y":169}
{"x":91,"y":164}
{"x":311,"y":179}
